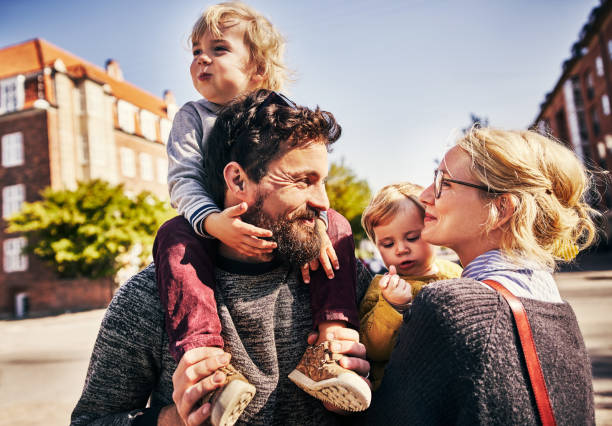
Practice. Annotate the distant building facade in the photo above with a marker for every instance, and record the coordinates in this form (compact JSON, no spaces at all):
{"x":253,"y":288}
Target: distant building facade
{"x":64,"y":120}
{"x":578,"y":109}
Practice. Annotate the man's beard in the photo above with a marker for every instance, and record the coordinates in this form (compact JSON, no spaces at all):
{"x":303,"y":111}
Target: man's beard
{"x":297,"y":243}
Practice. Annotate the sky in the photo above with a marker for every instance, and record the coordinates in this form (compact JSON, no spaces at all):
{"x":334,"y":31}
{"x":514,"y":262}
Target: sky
{"x":401,"y":77}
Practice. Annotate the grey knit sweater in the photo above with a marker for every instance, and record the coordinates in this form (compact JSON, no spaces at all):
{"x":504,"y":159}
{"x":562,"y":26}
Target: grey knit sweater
{"x":458,"y":361}
{"x":265,"y":315}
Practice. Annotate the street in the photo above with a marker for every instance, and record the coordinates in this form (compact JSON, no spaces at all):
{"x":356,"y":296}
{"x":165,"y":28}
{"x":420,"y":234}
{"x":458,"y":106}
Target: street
{"x":43,"y":361}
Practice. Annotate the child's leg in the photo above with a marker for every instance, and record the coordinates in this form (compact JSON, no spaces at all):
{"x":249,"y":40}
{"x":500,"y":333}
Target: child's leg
{"x":185,"y":278}
{"x":333,"y":301}
{"x":184,"y":270}
{"x":333,"y":305}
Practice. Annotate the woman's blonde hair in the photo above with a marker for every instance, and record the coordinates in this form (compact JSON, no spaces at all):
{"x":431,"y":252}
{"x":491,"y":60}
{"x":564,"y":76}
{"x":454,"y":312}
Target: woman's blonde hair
{"x":265,"y":44}
{"x":386,"y":204}
{"x":548,"y":186}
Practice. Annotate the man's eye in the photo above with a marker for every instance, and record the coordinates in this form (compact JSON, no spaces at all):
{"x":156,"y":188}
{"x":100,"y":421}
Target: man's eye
{"x":221,"y":49}
{"x":197,"y":52}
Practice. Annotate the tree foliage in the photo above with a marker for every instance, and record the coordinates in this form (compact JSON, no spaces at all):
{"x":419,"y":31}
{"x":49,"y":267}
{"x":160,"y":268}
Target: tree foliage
{"x":83,"y":233}
{"x":348,"y":195}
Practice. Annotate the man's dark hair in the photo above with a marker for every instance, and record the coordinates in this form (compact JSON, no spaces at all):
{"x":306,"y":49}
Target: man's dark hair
{"x":253,"y":131}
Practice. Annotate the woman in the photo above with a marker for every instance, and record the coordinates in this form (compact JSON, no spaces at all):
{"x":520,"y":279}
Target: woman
{"x":504,"y":201}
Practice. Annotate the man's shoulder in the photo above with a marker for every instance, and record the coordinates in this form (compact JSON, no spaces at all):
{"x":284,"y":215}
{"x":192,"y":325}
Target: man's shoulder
{"x":137,"y":301}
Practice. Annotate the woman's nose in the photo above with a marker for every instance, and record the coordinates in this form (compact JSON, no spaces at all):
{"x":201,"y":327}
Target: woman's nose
{"x":427,"y":196}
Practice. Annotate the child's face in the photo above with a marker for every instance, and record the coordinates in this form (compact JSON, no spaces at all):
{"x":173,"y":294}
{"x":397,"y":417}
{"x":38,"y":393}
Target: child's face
{"x":400,"y":244}
{"x":221,"y":68}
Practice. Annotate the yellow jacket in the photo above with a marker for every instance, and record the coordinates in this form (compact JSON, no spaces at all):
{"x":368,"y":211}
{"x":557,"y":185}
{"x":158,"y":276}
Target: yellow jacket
{"x":380,"y":322}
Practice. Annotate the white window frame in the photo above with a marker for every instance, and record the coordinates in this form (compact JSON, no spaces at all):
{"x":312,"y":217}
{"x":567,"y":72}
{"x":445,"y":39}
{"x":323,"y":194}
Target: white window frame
{"x":12,"y":149}
{"x":128,"y":162}
{"x":14,"y":259}
{"x":605,"y":104}
{"x":164,"y":130}
{"x":126,"y":114}
{"x":162,"y":170}
{"x":12,"y":94}
{"x":146,"y":166}
{"x":148,"y":122}
{"x":13,"y":197}
{"x":599,"y":66}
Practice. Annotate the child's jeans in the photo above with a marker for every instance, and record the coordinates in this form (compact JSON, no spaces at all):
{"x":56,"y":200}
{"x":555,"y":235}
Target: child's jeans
{"x":184,"y":267}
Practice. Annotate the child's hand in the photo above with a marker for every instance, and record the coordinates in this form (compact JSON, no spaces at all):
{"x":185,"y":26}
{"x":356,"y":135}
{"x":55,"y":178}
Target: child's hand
{"x":232,"y":231}
{"x":394,"y":289}
{"x":327,"y":257}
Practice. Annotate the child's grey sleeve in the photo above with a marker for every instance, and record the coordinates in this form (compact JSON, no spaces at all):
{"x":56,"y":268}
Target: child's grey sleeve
{"x":186,"y":166}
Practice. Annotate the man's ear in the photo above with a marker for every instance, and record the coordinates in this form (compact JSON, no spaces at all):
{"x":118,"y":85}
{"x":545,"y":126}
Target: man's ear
{"x":236,"y":180}
{"x":505,"y":205}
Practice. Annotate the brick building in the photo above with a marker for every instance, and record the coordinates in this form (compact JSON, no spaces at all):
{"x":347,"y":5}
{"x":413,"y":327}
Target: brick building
{"x":64,"y":120}
{"x":577,"y":111}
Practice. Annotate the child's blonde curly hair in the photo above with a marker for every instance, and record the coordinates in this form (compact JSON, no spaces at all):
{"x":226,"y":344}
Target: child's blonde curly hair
{"x":386,"y":204}
{"x":265,"y":44}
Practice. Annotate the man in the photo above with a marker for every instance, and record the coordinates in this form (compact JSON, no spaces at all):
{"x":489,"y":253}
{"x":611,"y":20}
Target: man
{"x":254,"y":155}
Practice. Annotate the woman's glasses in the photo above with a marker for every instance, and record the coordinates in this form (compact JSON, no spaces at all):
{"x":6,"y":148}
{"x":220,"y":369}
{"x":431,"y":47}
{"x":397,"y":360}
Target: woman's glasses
{"x":439,"y":179}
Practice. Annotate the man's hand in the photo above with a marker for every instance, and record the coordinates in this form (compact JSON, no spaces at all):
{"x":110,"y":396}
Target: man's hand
{"x":394,"y":289}
{"x":327,"y":256}
{"x":345,"y":341}
{"x":195,"y":376}
{"x":245,"y":238}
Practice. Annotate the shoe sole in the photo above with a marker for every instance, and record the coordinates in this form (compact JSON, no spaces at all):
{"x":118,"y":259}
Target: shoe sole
{"x":231,"y":402}
{"x":348,"y":391}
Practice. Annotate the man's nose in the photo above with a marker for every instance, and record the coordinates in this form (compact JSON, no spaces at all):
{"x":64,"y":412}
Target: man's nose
{"x":318,"y":198}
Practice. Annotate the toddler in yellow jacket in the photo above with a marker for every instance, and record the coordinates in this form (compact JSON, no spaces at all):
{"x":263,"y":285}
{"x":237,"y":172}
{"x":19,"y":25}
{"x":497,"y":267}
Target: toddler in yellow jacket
{"x":393,"y":221}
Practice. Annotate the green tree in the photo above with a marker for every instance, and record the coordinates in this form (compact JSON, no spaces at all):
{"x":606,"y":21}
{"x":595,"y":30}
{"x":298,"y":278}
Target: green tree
{"x":349,"y":195}
{"x":83,"y":233}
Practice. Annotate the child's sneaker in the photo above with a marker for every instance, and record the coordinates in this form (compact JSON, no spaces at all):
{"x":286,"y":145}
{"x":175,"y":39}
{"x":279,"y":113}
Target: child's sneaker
{"x":229,"y":401}
{"x":320,"y":375}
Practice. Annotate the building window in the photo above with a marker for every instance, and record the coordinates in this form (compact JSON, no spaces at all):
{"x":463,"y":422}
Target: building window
{"x":146,"y":166}
{"x":164,"y":130}
{"x":147,"y":124}
{"x":128,"y":162}
{"x":588,"y":80}
{"x":126,"y":114}
{"x":605,"y":104}
{"x":14,"y":259}
{"x":162,"y":170}
{"x":11,"y":94}
{"x":12,"y":198}
{"x":595,"y":122}
{"x":12,"y":149}
{"x":599,"y":66}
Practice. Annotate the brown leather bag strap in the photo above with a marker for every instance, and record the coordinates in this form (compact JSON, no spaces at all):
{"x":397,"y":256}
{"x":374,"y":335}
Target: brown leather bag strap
{"x":529,"y":351}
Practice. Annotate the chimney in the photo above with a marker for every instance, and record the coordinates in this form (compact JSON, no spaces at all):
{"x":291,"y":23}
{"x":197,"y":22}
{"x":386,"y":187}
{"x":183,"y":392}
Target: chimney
{"x":114,"y":70}
{"x":169,"y":97}
{"x":171,"y":108}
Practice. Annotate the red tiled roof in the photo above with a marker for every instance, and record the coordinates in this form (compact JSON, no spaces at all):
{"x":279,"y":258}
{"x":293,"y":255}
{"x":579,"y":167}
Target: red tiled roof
{"x":34,"y":55}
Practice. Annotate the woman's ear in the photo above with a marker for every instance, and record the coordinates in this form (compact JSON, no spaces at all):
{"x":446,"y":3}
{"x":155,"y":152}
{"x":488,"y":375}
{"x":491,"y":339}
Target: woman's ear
{"x":505,"y":205}
{"x":236,"y":180}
